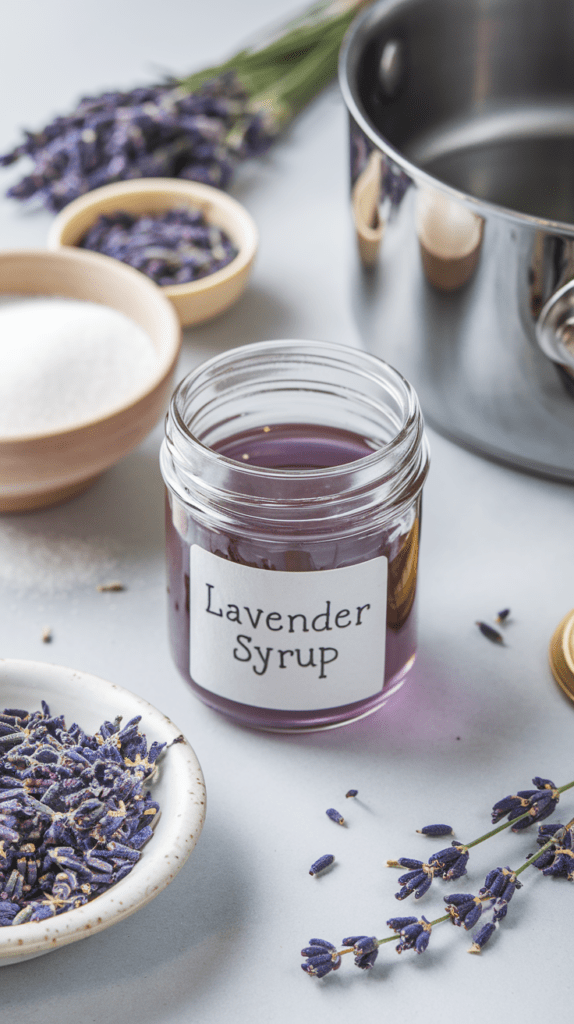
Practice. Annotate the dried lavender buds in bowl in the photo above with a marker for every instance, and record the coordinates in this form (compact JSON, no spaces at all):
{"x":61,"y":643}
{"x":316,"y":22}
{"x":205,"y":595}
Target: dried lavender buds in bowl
{"x":174,"y":247}
{"x":197,"y":243}
{"x":78,"y":830}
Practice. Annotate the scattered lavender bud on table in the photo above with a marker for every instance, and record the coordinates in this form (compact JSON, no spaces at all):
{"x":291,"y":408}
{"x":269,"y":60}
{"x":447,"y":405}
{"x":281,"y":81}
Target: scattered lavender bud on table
{"x":335,"y":816}
{"x":352,"y":792}
{"x":323,"y":862}
{"x":490,"y":633}
{"x":47,"y":635}
{"x":110,"y":588}
{"x":502,"y":616}
{"x":436,"y":830}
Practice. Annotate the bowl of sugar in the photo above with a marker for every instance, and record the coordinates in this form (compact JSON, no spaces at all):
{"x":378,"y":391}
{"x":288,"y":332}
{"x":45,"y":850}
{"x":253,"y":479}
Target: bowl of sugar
{"x":88,"y":348}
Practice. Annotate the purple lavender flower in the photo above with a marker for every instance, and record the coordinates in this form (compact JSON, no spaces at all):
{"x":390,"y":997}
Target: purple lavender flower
{"x":501,"y":884}
{"x":335,"y":816}
{"x":66,"y":833}
{"x":321,"y":863}
{"x":558,"y":859}
{"x":414,"y":933}
{"x":451,"y":862}
{"x":436,"y":830}
{"x":418,"y":880}
{"x":322,"y":958}
{"x":482,"y":937}
{"x":160,"y":131}
{"x":397,"y":923}
{"x":352,"y":792}
{"x":366,"y":949}
{"x":175,"y":247}
{"x":539,"y":802}
{"x":465,"y":908}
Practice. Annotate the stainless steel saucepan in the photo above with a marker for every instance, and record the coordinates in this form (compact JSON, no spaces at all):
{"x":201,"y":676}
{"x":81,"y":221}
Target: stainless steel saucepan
{"x":462,"y":196}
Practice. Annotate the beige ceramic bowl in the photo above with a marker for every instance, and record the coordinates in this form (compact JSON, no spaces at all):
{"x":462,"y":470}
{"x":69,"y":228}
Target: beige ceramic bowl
{"x":40,"y":469}
{"x":179,"y":790}
{"x":200,"y":300}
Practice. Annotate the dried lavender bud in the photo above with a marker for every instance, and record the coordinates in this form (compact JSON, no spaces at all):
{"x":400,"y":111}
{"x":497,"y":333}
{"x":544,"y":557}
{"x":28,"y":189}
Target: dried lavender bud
{"x":352,"y":792}
{"x":323,"y":862}
{"x":500,"y":883}
{"x":177,"y":246}
{"x":114,"y":587}
{"x":451,"y":862}
{"x":366,"y":949}
{"x":539,"y":803}
{"x":417,"y":881}
{"x":58,"y":851}
{"x":415,"y":936}
{"x":158,"y":131}
{"x":436,"y":830}
{"x":490,"y":633}
{"x":396,"y":924}
{"x":320,"y":963}
{"x":482,"y":937}
{"x":503,"y":615}
{"x":465,"y":908}
{"x":335,"y":816}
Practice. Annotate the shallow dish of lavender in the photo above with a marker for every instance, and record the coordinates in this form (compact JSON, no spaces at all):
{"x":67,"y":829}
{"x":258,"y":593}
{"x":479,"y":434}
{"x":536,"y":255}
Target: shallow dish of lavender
{"x":201,"y":279}
{"x":99,"y":817}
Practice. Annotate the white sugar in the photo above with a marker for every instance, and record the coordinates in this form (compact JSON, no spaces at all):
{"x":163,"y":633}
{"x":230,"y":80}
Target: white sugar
{"x":64,"y":362}
{"x":36,"y":557}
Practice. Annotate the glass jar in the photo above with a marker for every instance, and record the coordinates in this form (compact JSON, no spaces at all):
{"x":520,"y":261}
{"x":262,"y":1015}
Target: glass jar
{"x":294,"y":472}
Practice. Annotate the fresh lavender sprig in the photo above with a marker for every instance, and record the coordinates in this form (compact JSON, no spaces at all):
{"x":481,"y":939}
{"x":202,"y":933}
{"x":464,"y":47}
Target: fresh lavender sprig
{"x":198,"y":128}
{"x":465,"y":909}
{"x":523,"y":809}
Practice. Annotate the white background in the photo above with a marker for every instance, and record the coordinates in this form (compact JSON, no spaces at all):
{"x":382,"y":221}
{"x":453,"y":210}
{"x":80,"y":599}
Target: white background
{"x":473,"y":723}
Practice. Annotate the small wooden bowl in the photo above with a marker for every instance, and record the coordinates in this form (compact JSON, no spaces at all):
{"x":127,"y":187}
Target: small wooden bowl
{"x":199,"y":300}
{"x":41,"y":469}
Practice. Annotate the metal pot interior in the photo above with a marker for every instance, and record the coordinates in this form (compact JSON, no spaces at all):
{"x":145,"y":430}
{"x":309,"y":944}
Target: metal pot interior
{"x":462,"y":195}
{"x":477,"y":93}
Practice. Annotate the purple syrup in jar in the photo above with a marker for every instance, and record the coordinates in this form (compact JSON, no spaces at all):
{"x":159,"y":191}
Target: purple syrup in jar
{"x":292,"y":547}
{"x":295,"y":446}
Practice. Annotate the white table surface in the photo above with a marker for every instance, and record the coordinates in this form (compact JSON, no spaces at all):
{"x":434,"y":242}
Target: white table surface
{"x":473,"y":722}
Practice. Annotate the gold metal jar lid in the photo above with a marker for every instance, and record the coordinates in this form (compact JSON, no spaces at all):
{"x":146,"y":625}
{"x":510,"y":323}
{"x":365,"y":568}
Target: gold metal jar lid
{"x":561,"y":654}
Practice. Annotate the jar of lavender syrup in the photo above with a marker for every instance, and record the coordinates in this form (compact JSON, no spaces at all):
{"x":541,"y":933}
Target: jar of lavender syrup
{"x":294,"y":472}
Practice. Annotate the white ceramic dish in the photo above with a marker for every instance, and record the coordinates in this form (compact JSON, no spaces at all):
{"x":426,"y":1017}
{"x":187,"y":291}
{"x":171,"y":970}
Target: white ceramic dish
{"x":179,"y":791}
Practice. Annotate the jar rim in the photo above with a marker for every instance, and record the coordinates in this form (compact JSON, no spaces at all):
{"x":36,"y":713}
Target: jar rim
{"x":374,"y":398}
{"x":293,"y":345}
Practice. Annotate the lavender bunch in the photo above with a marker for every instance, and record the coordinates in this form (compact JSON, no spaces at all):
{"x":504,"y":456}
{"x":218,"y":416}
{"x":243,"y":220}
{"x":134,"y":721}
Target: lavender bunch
{"x":464,"y":909}
{"x":198,"y":128}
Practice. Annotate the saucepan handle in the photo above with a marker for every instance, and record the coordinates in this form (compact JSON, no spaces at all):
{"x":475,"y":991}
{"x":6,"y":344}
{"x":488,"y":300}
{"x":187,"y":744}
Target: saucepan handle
{"x":555,"y":326}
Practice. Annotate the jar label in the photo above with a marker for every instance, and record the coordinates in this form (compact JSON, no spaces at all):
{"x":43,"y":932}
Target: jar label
{"x":291,"y":641}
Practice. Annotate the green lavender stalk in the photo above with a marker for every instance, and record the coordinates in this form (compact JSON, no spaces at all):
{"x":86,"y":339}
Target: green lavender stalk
{"x":196,"y":127}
